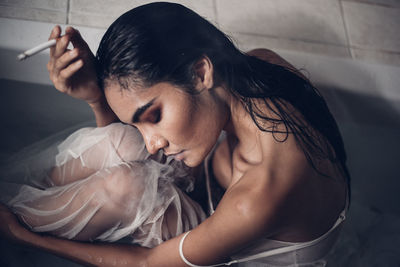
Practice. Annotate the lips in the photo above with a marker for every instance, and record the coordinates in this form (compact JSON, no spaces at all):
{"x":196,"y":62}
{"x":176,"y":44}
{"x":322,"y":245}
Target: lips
{"x":178,"y":156}
{"x":173,"y":153}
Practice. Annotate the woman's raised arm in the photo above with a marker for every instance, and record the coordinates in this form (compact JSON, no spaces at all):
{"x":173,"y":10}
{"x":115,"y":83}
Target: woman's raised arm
{"x":73,"y":73}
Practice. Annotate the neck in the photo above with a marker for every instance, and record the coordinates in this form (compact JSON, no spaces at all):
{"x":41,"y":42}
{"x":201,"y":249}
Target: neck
{"x":223,"y":98}
{"x":235,"y":107}
{"x":240,"y":124}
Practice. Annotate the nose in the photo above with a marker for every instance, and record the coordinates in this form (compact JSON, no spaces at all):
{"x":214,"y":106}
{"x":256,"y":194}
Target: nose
{"x":154,"y":143}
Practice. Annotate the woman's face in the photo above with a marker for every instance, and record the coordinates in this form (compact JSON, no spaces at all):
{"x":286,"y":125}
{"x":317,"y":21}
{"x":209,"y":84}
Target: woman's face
{"x":183,"y":125}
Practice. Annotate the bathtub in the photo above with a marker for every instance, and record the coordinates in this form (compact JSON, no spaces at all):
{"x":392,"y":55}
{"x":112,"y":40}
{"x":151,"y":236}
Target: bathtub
{"x":364,"y":98}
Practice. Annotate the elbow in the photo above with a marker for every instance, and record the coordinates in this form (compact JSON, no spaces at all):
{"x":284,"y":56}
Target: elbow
{"x":254,"y":211}
{"x":244,"y":208}
{"x":250,"y":210}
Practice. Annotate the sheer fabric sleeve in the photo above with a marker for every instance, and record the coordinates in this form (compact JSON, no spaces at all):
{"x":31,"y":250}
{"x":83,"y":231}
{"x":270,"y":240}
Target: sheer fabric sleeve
{"x":105,"y":186}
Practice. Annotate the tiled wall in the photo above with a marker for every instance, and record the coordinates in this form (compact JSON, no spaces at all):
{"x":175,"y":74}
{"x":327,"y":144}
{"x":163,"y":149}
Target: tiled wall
{"x":361,"y":29}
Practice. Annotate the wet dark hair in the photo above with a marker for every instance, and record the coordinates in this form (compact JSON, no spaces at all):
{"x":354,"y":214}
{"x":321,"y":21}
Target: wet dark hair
{"x":161,"y":42}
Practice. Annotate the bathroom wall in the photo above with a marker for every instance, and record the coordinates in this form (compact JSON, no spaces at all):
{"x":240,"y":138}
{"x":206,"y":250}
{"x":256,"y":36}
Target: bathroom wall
{"x":349,"y":48}
{"x":359,"y":29}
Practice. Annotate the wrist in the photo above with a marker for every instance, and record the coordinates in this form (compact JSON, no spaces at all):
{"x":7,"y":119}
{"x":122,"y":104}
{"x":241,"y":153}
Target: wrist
{"x":102,"y":111}
{"x":100,"y":102}
{"x":23,"y":235}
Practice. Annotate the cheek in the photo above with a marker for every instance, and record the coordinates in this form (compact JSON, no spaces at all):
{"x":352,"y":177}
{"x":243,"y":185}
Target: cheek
{"x":203,"y":127}
{"x":181,"y":124}
{"x":192,"y":125}
{"x":178,"y":116}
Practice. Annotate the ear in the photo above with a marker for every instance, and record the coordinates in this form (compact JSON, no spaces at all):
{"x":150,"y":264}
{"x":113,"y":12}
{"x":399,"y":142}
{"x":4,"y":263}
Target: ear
{"x":204,"y":74}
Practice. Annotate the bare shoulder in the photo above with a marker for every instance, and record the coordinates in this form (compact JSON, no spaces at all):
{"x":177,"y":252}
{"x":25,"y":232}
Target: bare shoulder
{"x":302,"y":204}
{"x":269,"y":56}
{"x":272,"y":57}
{"x":260,"y":201}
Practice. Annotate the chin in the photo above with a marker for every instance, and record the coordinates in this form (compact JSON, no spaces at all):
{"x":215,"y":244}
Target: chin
{"x":193,"y":162}
{"x":190,"y":163}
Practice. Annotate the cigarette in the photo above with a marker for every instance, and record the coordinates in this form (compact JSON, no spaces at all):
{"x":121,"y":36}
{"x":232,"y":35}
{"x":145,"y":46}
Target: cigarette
{"x":36,"y":49}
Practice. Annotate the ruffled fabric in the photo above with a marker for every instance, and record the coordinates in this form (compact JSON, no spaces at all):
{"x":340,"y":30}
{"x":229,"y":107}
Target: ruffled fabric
{"x":102,"y":184}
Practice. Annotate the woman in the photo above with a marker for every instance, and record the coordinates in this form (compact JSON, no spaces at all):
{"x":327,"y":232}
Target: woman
{"x":180,"y":81}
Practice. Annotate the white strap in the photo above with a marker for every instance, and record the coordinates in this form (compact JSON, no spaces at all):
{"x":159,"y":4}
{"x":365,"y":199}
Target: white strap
{"x":207,"y":162}
{"x":294,"y":247}
{"x":208,"y":186}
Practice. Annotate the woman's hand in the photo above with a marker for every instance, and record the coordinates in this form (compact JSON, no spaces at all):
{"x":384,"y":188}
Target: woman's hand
{"x":10,"y":228}
{"x":73,"y":71}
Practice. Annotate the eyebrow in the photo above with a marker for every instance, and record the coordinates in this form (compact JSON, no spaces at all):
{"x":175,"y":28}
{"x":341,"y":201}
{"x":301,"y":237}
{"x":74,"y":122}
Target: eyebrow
{"x":141,"y":110}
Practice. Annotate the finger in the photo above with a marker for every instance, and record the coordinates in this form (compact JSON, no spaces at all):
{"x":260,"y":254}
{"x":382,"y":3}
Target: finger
{"x":65,"y":59}
{"x":76,"y":38}
{"x":55,"y":33}
{"x":70,"y":70}
{"x":61,"y":46}
{"x":52,"y":66}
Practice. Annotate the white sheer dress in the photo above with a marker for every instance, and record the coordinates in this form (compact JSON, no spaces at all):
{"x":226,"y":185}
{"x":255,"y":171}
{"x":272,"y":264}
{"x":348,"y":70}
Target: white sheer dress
{"x":102,"y":184}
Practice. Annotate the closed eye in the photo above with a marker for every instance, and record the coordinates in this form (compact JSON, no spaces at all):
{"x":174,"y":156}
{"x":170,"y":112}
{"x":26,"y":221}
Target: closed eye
{"x":154,"y":116}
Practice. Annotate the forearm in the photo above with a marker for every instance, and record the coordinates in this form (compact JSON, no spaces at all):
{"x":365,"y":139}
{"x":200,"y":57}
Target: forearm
{"x":103,"y":113}
{"x":90,"y":254}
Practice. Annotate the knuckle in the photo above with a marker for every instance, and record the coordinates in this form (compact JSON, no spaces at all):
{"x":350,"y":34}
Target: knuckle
{"x":75,"y":52}
{"x":60,"y":62}
{"x":63,"y":74}
{"x":66,"y":38}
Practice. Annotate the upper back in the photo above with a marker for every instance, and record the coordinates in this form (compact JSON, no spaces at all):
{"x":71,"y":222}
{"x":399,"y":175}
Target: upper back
{"x":313,"y":195}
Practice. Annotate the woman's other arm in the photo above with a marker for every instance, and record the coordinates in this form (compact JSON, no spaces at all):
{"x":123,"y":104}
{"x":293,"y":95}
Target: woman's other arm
{"x":73,"y":72}
{"x":89,"y":254}
{"x":244,"y":214}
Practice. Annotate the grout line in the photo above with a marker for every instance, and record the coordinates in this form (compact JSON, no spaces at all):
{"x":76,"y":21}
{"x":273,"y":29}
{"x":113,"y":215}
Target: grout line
{"x":68,"y":11}
{"x":346,"y":32}
{"x":378,"y":50}
{"x":27,"y":18}
{"x":372,"y":4}
{"x":290,"y":39}
{"x":216,"y":12}
{"x":33,"y":8}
